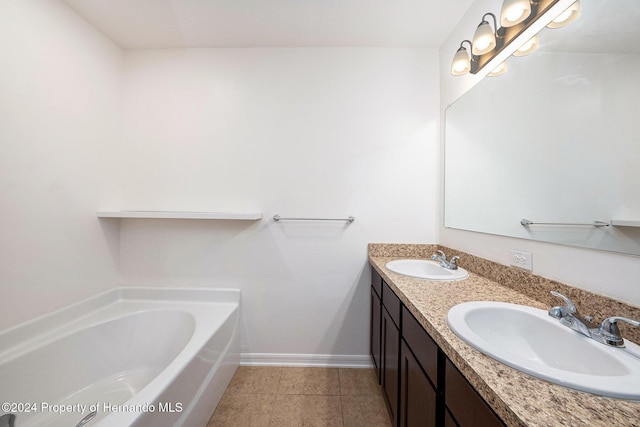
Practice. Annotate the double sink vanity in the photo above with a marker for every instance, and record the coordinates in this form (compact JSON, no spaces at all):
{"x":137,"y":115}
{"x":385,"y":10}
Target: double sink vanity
{"x":479,"y":348}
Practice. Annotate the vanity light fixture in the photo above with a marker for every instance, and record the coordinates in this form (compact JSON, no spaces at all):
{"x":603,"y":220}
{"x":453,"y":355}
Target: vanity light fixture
{"x":519,"y":19}
{"x":461,"y":62}
{"x":568,"y":16}
{"x":499,"y":70}
{"x":514,"y":12}
{"x":527,"y":48}
{"x":485,"y":38}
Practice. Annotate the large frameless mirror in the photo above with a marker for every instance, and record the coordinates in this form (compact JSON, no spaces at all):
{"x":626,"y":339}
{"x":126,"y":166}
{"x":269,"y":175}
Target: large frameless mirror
{"x":555,"y":139}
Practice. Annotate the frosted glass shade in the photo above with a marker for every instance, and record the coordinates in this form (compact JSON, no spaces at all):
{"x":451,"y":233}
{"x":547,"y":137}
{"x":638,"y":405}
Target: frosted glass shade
{"x":484,"y":40}
{"x":499,"y":70}
{"x":568,"y":16}
{"x":461,"y":64}
{"x":527,"y":48}
{"x":514,"y":12}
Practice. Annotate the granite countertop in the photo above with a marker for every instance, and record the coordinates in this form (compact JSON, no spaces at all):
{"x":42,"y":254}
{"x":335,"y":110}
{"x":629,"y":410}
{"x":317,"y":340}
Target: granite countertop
{"x":519,"y":399}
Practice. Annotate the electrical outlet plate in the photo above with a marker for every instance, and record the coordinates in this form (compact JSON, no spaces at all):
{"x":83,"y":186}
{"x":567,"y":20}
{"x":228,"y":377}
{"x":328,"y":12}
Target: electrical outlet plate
{"x":521,"y":259}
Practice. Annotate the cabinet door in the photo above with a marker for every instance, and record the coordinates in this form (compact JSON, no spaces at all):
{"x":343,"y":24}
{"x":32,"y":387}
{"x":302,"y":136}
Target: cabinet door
{"x":466,"y":405}
{"x":390,"y":360}
{"x":422,"y":345}
{"x":417,"y":395}
{"x":374,"y":330}
{"x":448,"y":419}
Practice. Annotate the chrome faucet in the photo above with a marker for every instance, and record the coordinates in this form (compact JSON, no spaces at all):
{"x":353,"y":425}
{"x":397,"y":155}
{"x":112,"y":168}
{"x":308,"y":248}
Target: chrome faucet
{"x":607,"y":333}
{"x":569,"y":316}
{"x":439,"y":256}
{"x":442,"y":259}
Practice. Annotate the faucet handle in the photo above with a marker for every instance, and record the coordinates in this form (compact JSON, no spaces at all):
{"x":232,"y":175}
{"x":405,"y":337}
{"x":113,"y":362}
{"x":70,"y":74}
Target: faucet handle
{"x":560,"y":312}
{"x":609,"y":328}
{"x":442,"y":256}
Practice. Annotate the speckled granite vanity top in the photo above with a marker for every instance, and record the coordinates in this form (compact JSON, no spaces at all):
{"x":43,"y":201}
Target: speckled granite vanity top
{"x":519,"y":399}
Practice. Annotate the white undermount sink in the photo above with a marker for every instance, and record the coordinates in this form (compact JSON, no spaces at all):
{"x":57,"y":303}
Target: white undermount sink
{"x":424,"y":269}
{"x":528,"y":339}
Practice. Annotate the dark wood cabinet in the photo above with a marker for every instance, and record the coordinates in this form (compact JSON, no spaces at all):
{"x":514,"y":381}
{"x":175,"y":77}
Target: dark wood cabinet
{"x":390,"y":363}
{"x":424,"y":348}
{"x":374,"y":331}
{"x":448,"y":419}
{"x":466,"y":406}
{"x":418,"y":375}
{"x":392,"y":303}
{"x":376,"y":282}
{"x":390,"y":336}
{"x":422,"y":388}
{"x":375,"y":344}
{"x":418,"y":397}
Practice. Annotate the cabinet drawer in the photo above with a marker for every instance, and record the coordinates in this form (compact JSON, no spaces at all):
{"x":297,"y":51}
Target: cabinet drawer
{"x":376,"y":282}
{"x":391,"y":302}
{"x":424,"y":348}
{"x":466,"y":405}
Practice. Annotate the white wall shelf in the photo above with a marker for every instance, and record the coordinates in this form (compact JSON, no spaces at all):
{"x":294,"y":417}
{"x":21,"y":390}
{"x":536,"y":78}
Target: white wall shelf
{"x":252,"y":216}
{"x":625,"y":223}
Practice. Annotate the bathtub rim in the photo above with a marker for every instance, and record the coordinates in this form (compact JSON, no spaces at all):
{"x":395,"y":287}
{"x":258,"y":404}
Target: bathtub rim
{"x":197,"y":298}
{"x":50,"y":324}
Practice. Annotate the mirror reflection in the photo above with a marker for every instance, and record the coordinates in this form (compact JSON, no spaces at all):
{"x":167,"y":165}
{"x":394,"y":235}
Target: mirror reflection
{"x":554,"y":139}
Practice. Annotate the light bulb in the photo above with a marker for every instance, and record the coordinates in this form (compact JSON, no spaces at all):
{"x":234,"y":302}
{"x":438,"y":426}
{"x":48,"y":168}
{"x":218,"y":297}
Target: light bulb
{"x":514,"y":12}
{"x":567,"y":16}
{"x":499,"y":70}
{"x":484,"y":39}
{"x":529,"y":47}
{"x":461,"y":64}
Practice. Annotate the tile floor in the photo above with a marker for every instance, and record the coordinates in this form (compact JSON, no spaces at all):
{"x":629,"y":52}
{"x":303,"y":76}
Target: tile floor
{"x":276,"y":396}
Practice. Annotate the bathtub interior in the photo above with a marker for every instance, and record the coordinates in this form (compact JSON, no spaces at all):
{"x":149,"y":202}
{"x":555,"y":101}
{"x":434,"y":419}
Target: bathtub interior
{"x":134,"y":356}
{"x":112,"y":360}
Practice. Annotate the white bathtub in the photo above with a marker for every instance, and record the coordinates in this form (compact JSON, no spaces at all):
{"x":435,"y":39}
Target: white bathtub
{"x":137,"y":356}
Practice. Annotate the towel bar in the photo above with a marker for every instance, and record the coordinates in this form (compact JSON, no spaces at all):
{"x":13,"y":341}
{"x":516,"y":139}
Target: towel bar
{"x":279,"y":218}
{"x":526,"y":223}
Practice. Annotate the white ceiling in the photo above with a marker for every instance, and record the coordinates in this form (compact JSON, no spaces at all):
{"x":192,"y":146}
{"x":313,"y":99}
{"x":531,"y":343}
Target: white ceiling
{"x":273,"y":23}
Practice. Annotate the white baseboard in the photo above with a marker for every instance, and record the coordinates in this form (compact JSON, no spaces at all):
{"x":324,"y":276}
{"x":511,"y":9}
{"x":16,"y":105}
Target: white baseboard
{"x":310,"y":360}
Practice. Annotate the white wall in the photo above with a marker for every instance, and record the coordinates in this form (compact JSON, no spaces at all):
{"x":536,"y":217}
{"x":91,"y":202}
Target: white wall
{"x":317,"y":132}
{"x":602,"y":272}
{"x":59,"y":114}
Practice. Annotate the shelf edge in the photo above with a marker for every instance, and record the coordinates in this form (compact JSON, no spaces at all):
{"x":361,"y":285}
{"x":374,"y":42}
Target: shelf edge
{"x":625,"y":223}
{"x":252,"y":216}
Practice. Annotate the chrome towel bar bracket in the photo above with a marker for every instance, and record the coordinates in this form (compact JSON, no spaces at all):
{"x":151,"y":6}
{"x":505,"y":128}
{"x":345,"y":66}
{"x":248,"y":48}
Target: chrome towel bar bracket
{"x":279,"y":218}
{"x":526,"y":223}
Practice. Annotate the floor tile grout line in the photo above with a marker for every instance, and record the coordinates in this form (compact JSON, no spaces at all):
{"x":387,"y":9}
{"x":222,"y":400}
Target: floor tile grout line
{"x":313,"y":395}
{"x":343,"y":381}
{"x":278,"y":387}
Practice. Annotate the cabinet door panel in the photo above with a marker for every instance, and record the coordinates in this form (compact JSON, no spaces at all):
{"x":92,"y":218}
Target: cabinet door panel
{"x":448,"y":420}
{"x":423,"y":347}
{"x":417,"y":396}
{"x":390,"y":360}
{"x":374,"y":338}
{"x":466,"y":405}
